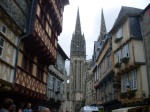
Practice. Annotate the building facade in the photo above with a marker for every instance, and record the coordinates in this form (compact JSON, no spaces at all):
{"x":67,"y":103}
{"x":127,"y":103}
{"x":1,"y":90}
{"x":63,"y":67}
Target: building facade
{"x":13,"y":17}
{"x":145,"y":29}
{"x":56,"y":81}
{"x":37,"y":24}
{"x":90,"y":91}
{"x":130,"y":66}
{"x":77,"y":67}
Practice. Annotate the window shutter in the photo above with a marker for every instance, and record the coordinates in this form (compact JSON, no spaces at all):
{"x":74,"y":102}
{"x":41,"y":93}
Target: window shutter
{"x":119,"y":33}
{"x":1,"y":45}
{"x":119,"y":56}
{"x":126,"y":50}
{"x":62,"y":84}
{"x":51,"y":82}
{"x":124,"y":82}
{"x":133,"y":80}
{"x":56,"y":84}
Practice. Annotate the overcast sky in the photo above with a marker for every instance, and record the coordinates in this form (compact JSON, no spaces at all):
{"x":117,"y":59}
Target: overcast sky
{"x":90,"y":18}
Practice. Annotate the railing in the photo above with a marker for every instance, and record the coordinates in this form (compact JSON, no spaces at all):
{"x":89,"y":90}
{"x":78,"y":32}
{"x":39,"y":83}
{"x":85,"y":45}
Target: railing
{"x":53,"y":69}
{"x":109,"y":97}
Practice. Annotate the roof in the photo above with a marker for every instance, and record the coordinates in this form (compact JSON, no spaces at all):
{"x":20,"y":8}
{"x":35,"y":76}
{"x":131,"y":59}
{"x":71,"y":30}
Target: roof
{"x":65,"y":2}
{"x":125,"y":109}
{"x":125,"y":11}
{"x":148,"y":6}
{"x":61,"y":51}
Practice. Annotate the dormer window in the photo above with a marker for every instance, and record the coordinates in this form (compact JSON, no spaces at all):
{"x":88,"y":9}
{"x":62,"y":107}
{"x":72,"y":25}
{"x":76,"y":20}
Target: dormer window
{"x":119,"y":33}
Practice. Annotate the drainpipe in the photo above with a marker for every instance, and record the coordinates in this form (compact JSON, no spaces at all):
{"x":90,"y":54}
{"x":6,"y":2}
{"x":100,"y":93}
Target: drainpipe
{"x":18,"y":43}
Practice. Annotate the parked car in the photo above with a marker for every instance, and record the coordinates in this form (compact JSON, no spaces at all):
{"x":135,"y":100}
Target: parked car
{"x":89,"y":109}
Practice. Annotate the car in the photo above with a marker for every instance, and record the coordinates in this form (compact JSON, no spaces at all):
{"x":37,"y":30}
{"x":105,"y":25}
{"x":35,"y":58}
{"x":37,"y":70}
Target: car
{"x":89,"y":109}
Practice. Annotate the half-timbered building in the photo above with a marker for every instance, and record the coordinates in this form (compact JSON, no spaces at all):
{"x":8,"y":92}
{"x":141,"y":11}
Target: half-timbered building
{"x":36,"y":48}
{"x":13,"y":17}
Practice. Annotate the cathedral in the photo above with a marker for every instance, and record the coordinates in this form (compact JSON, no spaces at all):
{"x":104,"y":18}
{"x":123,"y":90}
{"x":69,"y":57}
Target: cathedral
{"x":77,"y":67}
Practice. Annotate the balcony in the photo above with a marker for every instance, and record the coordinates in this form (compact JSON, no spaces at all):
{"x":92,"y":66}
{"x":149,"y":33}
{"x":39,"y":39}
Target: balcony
{"x":55,"y":71}
{"x":56,"y":11}
{"x":40,"y":44}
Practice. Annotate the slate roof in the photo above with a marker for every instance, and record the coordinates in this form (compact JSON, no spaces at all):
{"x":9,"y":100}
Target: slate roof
{"x":61,"y":51}
{"x":125,"y":11}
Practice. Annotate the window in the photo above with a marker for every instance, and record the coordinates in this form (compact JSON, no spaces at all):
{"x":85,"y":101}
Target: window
{"x":1,"y":45}
{"x":133,"y":80}
{"x":95,"y":75}
{"x":50,"y":82}
{"x":119,"y":56}
{"x":129,"y":81}
{"x":108,"y":61}
{"x":40,"y":73}
{"x":56,"y":84}
{"x":99,"y":70}
{"x":119,"y":33}
{"x":61,"y":87}
{"x":126,"y":51}
{"x":54,"y":80}
{"x":124,"y":82}
{"x":27,"y":63}
{"x":4,"y":29}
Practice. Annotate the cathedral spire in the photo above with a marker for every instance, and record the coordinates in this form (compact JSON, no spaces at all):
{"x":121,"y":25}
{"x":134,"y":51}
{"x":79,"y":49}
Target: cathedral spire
{"x":103,"y":30}
{"x":78,"y":25}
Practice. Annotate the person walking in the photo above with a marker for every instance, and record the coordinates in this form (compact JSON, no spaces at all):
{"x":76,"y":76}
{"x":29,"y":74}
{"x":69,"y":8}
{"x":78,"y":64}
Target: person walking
{"x":28,"y":108}
{"x":7,"y":105}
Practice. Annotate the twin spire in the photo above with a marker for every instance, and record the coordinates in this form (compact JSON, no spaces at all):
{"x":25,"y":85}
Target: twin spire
{"x":78,"y":25}
{"x":103,"y":30}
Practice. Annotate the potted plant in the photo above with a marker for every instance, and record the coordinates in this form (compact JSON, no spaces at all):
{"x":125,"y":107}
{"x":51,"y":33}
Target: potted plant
{"x":125,"y":60}
{"x":118,"y":65}
{"x":117,"y":40}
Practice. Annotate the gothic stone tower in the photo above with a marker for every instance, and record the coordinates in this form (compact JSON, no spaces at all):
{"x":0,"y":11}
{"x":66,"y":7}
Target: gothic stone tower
{"x":77,"y":67}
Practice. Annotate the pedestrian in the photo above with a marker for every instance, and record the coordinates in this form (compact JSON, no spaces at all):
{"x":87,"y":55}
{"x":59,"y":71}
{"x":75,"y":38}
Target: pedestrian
{"x":46,"y":110}
{"x":28,"y":108}
{"x":7,"y":105}
{"x":19,"y":108}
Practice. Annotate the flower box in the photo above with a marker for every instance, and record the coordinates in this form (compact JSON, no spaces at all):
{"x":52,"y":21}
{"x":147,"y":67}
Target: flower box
{"x":117,"y":65}
{"x":125,"y":60}
{"x":117,"y":40}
